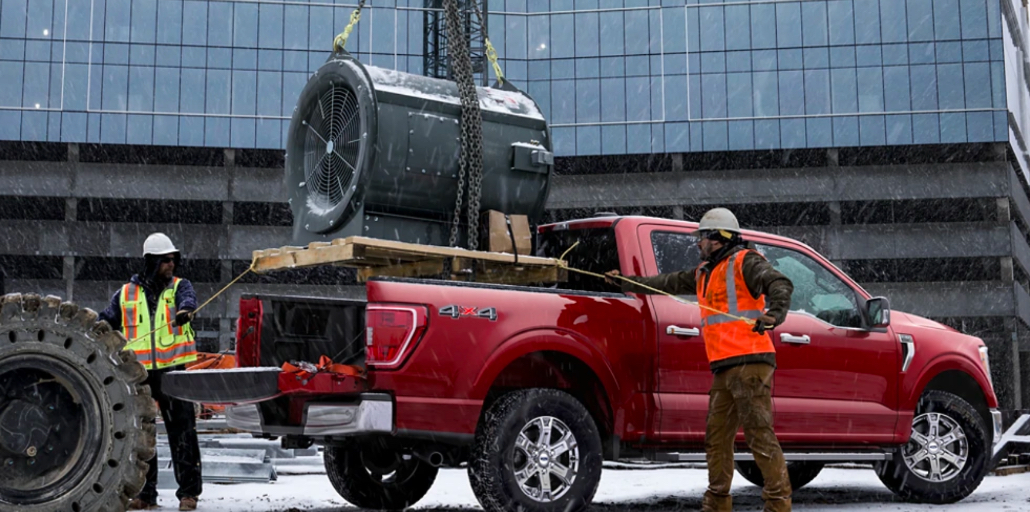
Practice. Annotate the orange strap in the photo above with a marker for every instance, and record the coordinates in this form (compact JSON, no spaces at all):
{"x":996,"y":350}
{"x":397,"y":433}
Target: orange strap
{"x":325,"y":364}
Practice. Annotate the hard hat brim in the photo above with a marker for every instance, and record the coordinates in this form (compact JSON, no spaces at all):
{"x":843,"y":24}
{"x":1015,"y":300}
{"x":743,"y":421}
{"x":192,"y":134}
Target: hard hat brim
{"x":162,"y":253}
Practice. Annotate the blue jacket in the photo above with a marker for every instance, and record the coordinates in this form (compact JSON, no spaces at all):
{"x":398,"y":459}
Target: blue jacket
{"x":185,"y":300}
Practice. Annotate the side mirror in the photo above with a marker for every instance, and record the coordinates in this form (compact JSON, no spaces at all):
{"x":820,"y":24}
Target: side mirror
{"x":877,"y":313}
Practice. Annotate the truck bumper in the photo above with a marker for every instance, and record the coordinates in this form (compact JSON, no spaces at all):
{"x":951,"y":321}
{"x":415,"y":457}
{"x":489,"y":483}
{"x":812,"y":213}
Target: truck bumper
{"x":369,"y":413}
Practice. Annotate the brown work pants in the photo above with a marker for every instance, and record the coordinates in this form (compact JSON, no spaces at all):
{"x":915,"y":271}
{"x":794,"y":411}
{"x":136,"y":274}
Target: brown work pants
{"x":741,"y":396}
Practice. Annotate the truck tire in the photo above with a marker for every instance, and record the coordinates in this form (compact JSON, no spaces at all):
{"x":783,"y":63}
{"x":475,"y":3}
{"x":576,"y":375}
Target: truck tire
{"x":374,"y":476}
{"x":801,"y":473}
{"x":530,"y":434}
{"x":79,"y":437}
{"x":946,"y":459}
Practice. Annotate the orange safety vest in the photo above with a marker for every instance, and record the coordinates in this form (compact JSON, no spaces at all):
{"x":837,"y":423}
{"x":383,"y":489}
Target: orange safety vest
{"x":725,"y":336}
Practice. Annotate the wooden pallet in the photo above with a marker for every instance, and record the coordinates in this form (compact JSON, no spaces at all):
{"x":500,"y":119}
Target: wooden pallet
{"x":373,"y":257}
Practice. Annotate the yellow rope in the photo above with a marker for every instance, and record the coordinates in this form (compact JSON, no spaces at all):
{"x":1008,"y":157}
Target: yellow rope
{"x":563,"y":264}
{"x":340,"y":41}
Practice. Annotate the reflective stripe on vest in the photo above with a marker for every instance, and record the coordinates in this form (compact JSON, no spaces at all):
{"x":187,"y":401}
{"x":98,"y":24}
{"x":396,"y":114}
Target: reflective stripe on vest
{"x":724,"y":335}
{"x":166,"y":346}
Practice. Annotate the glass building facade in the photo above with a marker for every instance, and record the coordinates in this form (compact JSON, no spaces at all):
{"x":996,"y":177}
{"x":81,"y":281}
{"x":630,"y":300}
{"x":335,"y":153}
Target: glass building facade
{"x":612,"y":76}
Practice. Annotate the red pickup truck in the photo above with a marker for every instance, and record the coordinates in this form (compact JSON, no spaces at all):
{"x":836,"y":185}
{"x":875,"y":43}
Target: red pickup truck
{"x":533,"y":387}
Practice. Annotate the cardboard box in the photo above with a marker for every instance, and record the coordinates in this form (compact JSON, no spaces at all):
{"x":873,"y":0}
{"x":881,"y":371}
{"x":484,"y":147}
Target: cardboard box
{"x":498,"y":229}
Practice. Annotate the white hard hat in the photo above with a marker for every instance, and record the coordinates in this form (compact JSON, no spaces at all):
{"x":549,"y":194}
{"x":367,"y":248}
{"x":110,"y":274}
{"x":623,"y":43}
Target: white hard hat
{"x":158,"y":244}
{"x":718,"y":219}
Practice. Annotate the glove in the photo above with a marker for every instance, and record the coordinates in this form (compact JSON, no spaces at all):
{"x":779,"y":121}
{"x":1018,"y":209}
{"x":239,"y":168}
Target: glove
{"x":764,"y":323}
{"x":183,"y":318}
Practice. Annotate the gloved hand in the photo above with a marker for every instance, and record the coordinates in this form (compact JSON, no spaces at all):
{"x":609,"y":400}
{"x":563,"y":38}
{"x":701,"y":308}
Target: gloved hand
{"x":764,"y":323}
{"x":182,"y":318}
{"x":611,"y":276}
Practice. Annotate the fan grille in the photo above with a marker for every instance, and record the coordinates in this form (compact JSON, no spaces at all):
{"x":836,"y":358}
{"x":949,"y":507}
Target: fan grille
{"x":331,"y":147}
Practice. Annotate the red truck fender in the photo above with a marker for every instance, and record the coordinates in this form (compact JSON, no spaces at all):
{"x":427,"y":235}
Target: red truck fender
{"x":545,"y":340}
{"x":982,"y":398}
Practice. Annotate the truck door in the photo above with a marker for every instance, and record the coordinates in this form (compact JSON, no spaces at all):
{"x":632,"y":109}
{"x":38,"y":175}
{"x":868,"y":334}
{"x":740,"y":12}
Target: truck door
{"x":834,"y":381}
{"x":683,"y":373}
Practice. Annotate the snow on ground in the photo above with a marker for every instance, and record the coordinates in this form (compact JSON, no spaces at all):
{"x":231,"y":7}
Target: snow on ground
{"x":660,"y":490}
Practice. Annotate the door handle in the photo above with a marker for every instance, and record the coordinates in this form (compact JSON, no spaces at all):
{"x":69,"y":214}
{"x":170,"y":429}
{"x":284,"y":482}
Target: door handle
{"x":673,"y":330}
{"x":799,"y":340}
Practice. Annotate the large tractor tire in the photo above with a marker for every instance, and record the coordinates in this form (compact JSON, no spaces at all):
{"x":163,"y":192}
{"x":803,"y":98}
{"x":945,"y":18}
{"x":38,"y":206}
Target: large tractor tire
{"x":76,"y":425}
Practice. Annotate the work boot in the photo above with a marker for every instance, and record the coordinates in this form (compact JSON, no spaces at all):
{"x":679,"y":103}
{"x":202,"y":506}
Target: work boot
{"x":188,"y":503}
{"x":139,"y":504}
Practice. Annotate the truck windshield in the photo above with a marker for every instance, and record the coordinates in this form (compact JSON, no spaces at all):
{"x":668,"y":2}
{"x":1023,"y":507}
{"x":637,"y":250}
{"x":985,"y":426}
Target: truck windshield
{"x":596,"y":252}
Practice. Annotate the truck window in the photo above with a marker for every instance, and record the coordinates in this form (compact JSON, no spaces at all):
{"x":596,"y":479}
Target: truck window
{"x":596,"y":252}
{"x":675,"y":252}
{"x":817,"y":291}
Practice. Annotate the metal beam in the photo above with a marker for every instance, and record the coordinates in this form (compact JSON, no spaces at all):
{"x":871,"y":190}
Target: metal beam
{"x":817,"y":184}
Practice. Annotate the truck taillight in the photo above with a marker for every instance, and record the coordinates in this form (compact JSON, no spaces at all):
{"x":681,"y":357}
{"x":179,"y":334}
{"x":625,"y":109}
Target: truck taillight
{"x":391,"y":332}
{"x":248,"y":333}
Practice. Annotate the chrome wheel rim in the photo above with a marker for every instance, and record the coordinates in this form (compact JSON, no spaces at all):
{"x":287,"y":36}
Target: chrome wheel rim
{"x":938,"y":449}
{"x":545,"y":459}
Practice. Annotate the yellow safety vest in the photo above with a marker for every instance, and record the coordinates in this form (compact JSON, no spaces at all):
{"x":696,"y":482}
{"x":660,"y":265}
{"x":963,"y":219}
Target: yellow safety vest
{"x":167,"y":346}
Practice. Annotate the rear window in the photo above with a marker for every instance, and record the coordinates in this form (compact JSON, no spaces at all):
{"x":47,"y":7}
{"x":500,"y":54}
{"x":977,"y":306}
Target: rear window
{"x":596,"y":252}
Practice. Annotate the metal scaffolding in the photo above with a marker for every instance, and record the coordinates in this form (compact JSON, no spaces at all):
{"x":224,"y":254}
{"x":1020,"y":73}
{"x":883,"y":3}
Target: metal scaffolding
{"x":435,"y":61}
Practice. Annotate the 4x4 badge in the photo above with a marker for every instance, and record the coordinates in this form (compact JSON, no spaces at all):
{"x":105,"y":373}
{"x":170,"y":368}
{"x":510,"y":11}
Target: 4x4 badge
{"x":455,"y":311}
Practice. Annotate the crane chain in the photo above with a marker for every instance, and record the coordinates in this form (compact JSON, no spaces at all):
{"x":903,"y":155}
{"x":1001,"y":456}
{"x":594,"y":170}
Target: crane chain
{"x":470,"y":161}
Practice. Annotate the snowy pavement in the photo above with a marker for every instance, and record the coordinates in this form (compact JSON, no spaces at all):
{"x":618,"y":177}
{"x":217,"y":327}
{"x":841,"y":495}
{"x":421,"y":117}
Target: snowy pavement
{"x":658,"y":490}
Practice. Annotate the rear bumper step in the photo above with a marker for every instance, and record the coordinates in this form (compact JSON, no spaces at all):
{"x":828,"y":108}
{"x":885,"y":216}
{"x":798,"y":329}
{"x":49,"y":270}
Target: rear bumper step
{"x":371,"y":413}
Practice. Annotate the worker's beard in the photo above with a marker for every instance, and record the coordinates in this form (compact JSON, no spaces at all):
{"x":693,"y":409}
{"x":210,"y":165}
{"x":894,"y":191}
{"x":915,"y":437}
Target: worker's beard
{"x":151,"y":272}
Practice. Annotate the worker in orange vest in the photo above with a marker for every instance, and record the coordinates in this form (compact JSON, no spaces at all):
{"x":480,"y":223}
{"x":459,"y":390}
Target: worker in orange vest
{"x":733,"y":283}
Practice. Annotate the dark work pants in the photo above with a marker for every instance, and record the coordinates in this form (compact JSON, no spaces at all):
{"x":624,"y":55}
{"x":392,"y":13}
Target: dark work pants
{"x":181,"y":424}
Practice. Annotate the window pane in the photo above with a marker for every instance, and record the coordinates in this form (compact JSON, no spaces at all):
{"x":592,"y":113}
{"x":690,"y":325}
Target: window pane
{"x":613,"y":102}
{"x":763,"y":33}
{"x":270,"y":29}
{"x":563,"y":101}
{"x":920,"y":20}
{"x":713,"y":35}
{"x":978,"y":78}
{"x":788,"y":25}
{"x":817,"y":291}
{"x":244,"y":28}
{"x":870,"y":89}
{"x":563,"y":36}
{"x":713,"y":95}
{"x":166,"y":89}
{"x":817,"y":92}
{"x":893,"y":26}
{"x":845,"y":91}
{"x":766,"y":94}
{"x":813,"y":17}
{"x":792,"y":103}
{"x":219,"y":27}
{"x":141,"y":89}
{"x":144,"y":17}
{"x":867,"y":21}
{"x":974,"y":19}
{"x":675,"y":252}
{"x":587,"y":107}
{"x":951,"y":89}
{"x":841,"y":14}
{"x":924,"y":87}
{"x":739,"y":95}
{"x":539,"y":34}
{"x":244,"y":92}
{"x":946,"y":20}
{"x":194,"y":22}
{"x":587,"y":36}
{"x":116,"y":80}
{"x":296,"y":18}
{"x":638,"y":98}
{"x":219,"y":92}
{"x":897,"y":95}
{"x":738,"y":23}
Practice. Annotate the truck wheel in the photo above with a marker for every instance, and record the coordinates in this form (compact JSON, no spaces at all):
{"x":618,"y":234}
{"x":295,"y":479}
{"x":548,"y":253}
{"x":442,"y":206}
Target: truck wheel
{"x":946,"y":458}
{"x":801,"y":473}
{"x":75,"y":424}
{"x":375,"y":476}
{"x":536,"y":450}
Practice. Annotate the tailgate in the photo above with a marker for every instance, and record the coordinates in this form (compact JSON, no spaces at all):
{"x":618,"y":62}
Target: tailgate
{"x":249,"y":385}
